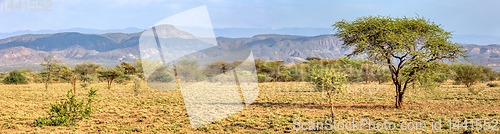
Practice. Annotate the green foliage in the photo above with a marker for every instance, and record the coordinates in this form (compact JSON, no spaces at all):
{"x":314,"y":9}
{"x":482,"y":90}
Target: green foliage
{"x":84,"y":85}
{"x":263,"y":78}
{"x":163,"y":77}
{"x":127,"y":68}
{"x":215,"y":68}
{"x":110,"y":75}
{"x":467,"y":74}
{"x":312,"y":58}
{"x":51,"y":69}
{"x":68,"y":111}
{"x":270,"y":68}
{"x":86,"y":68}
{"x":488,"y":73}
{"x":382,"y":75}
{"x":327,"y":79}
{"x":492,"y":85}
{"x":431,"y":77}
{"x":15,"y":77}
{"x":65,"y":73}
{"x":406,"y":45}
{"x":89,"y":79}
{"x":162,"y":74}
{"x":119,"y":81}
{"x":137,"y":85}
{"x":189,"y":70}
{"x":139,"y":68}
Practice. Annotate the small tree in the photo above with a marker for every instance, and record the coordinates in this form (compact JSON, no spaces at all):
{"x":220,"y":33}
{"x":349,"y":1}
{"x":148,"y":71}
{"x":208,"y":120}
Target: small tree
{"x":410,"y":44}
{"x":85,"y":70}
{"x":127,"y":68}
{"x":15,"y":77}
{"x":467,"y":74}
{"x":109,"y":75}
{"x":189,"y":70}
{"x":327,"y":80}
{"x":51,"y":66}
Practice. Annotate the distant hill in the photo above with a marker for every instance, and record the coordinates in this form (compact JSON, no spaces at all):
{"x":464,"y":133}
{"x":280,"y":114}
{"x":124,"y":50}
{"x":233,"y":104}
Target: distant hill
{"x":109,"y":49}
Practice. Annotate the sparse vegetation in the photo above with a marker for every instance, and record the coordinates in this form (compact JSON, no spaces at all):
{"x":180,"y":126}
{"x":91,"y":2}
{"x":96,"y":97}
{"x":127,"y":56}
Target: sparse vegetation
{"x":68,"y":111}
{"x":492,"y":85}
{"x":475,"y":90}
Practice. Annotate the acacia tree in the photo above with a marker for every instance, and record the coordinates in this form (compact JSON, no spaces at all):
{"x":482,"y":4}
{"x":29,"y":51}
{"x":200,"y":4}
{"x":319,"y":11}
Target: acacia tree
{"x":406,"y":45}
{"x":109,"y":75}
{"x":51,"y":68}
{"x":85,"y":70}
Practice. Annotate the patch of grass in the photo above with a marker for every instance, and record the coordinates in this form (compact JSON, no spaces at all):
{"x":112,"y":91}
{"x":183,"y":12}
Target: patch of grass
{"x":475,"y":90}
{"x":278,"y":103}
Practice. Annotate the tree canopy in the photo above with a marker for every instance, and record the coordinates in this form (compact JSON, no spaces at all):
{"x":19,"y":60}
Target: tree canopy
{"x":410,"y":44}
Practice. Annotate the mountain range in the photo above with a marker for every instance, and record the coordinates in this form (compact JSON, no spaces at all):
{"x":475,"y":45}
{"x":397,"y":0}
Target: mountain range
{"x":247,"y":32}
{"x":28,"y":50}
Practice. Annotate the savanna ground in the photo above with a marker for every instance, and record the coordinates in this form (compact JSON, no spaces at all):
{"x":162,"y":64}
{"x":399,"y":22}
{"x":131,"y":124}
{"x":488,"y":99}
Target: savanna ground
{"x":120,"y":110}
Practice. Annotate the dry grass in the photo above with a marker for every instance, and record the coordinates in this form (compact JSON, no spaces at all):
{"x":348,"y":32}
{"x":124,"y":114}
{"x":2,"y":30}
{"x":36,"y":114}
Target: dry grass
{"x":159,"y":111}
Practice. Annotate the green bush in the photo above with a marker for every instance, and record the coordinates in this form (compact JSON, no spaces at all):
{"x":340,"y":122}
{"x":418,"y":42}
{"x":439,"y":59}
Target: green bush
{"x":263,"y":78}
{"x":67,"y":111}
{"x":89,"y":79}
{"x":137,"y":84}
{"x":492,"y":85}
{"x":163,"y":77}
{"x":467,"y":74}
{"x":15,"y":77}
{"x":120,"y":81}
{"x":327,"y":79}
{"x":84,"y":85}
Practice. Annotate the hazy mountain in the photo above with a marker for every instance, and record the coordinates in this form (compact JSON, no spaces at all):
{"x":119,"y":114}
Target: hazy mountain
{"x":249,"y":32}
{"x":109,"y":49}
{"x":77,"y":30}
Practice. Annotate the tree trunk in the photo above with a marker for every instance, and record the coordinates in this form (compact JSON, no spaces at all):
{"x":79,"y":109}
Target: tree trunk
{"x":331,"y":103}
{"x":47,"y":82}
{"x":109,"y":84}
{"x":74,"y":84}
{"x":399,"y":96}
{"x":176,"y":79}
{"x":399,"y":100}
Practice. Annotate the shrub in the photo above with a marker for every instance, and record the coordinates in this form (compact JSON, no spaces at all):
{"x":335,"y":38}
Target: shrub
{"x":84,"y":85}
{"x":67,"y":111}
{"x":15,"y":77}
{"x":263,"y":78}
{"x":119,"y":81}
{"x":468,"y":74}
{"x":88,"y":79}
{"x":137,"y":85}
{"x":163,"y":77}
{"x":492,"y":85}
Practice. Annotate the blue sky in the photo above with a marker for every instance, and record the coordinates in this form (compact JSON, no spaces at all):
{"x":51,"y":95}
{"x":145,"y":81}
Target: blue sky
{"x":463,"y":17}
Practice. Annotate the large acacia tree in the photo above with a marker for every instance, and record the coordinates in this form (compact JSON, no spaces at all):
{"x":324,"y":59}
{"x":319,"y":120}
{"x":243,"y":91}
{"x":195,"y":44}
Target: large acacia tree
{"x":406,"y":45}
